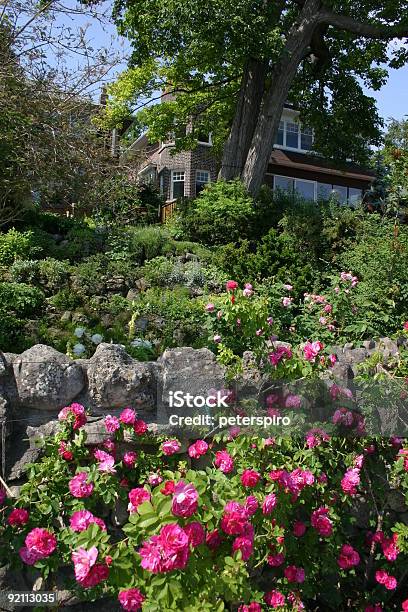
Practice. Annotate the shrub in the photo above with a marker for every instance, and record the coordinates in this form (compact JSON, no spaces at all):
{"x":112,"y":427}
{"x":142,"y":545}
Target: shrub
{"x":17,"y":245}
{"x":222,"y":213}
{"x":25,"y":271}
{"x":18,"y":301}
{"x":88,"y":278}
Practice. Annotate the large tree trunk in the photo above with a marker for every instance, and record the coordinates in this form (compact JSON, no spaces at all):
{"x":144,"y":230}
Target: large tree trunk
{"x":275,"y":97}
{"x":244,"y":123}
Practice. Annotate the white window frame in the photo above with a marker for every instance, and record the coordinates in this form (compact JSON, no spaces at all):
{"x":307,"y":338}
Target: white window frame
{"x":206,"y":144}
{"x":284,"y":146}
{"x":172,"y":181}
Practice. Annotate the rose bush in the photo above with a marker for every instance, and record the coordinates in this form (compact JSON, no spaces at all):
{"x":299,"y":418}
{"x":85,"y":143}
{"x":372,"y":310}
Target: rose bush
{"x":268,"y":524}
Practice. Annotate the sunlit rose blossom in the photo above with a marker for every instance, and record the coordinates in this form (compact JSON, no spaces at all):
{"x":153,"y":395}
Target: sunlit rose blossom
{"x":248,"y":290}
{"x":105,"y":462}
{"x":195,"y":533}
{"x":275,"y":599}
{"x":88,"y":573}
{"x":224,"y":462}
{"x":131,"y":600}
{"x":231,"y":285}
{"x":81,"y":519}
{"x":350,"y":481}
{"x":294,"y":574}
{"x":109,"y":445}
{"x":269,"y":503}
{"x":75,"y":410}
{"x":79,"y":487}
{"x":139,"y":427}
{"x":185,"y":499}
{"x":210,"y":307}
{"x":199,"y":448}
{"x":18,"y":517}
{"x":170,"y":447}
{"x":166,"y":552}
{"x":251,"y":505}
{"x":332,"y":359}
{"x":169,"y":487}
{"x":111,"y":423}
{"x":311,"y":350}
{"x":299,"y":529}
{"x":129,"y":459}
{"x":41,"y":542}
{"x":234,"y":518}
{"x":250,"y":478}
{"x":217,"y":339}
{"x":136,"y":497}
{"x":384,"y":578}
{"x":245,"y":545}
{"x":127,"y":416}
{"x":154,"y":479}
{"x":321,"y":522}
{"x":348,"y":557}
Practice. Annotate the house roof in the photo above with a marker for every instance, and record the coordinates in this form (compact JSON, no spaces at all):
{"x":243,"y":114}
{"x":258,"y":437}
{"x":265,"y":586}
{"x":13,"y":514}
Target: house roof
{"x":306,"y":163}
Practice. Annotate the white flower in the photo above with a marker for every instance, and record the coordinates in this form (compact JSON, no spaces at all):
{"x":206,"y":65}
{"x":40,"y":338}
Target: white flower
{"x":141,"y":343}
{"x":78,"y":349}
{"x":79,"y":332}
{"x":97,"y":338}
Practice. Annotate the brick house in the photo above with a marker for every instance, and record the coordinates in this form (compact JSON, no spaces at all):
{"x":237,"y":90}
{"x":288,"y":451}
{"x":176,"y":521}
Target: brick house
{"x":293,"y":166}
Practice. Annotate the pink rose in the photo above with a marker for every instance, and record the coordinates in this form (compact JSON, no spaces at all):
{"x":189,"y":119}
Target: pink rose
{"x":390,"y":547}
{"x":224,"y":462}
{"x":321,"y":522}
{"x":139,"y":427}
{"x":170,"y":447}
{"x":77,"y":411}
{"x":276,"y":560}
{"x":79,"y":487}
{"x":350,"y":481}
{"x":185,"y":498}
{"x":111,"y":423}
{"x":348,"y":557}
{"x":81,"y":519}
{"x":382,"y":577}
{"x":127,"y":416}
{"x":251,"y":505}
{"x":198,"y":449}
{"x":210,"y":307}
{"x":311,"y":350}
{"x":275,"y":599}
{"x":88,"y":573}
{"x":105,"y":461}
{"x":213,"y":539}
{"x":294,"y":574}
{"x":29,"y":557}
{"x":217,"y":339}
{"x":234,"y":519}
{"x":129,"y":459}
{"x":269,"y":503}
{"x":131,"y":600}
{"x":136,"y":497}
{"x":293,"y":402}
{"x":287,"y":301}
{"x":252,"y":607}
{"x":166,"y":552}
{"x":250,"y":478}
{"x":245,"y":545}
{"x":231,"y":285}
{"x":18,"y":517}
{"x":41,"y":542}
{"x":154,"y":479}
{"x":195,"y":533}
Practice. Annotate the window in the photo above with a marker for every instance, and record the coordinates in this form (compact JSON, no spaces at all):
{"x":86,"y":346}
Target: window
{"x":306,"y":138}
{"x":204,"y":138}
{"x":202,"y":178}
{"x":284,"y":183}
{"x":177,"y":184}
{"x":292,"y":135}
{"x":340,"y":193}
{"x":281,"y":132}
{"x":355,"y":196}
{"x":324,"y":191}
{"x":305,"y":189}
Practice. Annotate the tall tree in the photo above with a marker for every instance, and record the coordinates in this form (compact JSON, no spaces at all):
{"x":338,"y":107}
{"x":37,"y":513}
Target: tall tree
{"x":234,"y":64}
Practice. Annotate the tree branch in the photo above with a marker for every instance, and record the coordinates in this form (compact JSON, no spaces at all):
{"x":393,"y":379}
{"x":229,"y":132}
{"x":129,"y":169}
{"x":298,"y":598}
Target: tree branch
{"x":368,"y":30}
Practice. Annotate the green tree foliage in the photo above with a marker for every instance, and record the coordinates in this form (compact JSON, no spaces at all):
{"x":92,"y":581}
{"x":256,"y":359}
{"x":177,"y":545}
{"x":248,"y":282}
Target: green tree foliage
{"x":233,"y":65}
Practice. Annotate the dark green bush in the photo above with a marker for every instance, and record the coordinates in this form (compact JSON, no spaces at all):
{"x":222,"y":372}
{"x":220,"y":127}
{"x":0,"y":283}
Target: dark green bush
{"x":18,"y":302}
{"x":16,"y":245}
